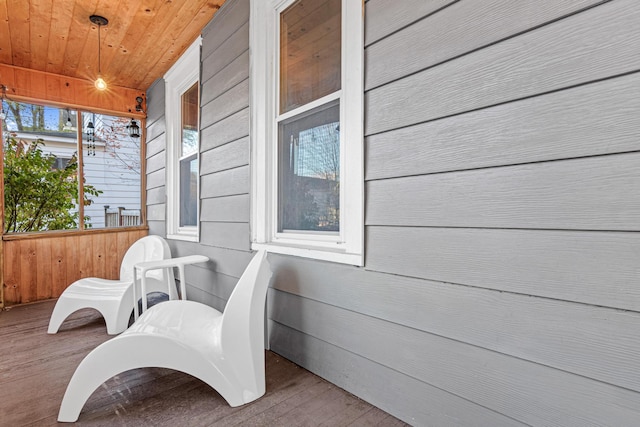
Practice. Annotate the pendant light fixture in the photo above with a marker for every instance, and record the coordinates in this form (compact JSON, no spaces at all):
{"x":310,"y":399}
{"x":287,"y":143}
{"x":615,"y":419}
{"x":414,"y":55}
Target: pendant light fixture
{"x":100,"y":84}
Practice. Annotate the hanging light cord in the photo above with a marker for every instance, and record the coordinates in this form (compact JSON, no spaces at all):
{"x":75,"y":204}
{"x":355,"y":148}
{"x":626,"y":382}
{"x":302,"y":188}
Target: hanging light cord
{"x":99,"y":54}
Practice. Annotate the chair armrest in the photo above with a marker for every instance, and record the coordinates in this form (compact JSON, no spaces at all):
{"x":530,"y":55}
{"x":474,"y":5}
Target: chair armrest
{"x":145,"y":266}
{"x":179,"y":262}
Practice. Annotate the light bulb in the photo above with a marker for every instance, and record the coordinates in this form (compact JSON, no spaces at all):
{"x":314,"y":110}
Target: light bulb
{"x":100,"y":84}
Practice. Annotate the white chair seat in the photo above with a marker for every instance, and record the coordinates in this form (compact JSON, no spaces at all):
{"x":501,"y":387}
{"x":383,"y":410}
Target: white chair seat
{"x":225,"y":350}
{"x":114,"y":298}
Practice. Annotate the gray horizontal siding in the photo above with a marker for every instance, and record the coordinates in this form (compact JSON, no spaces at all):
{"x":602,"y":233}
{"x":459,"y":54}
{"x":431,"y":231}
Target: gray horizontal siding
{"x":506,"y":322}
{"x":229,"y":129}
{"x":156,"y":162}
{"x":226,"y":209}
{"x":228,"y":103}
{"x":231,"y":16}
{"x":232,"y":235}
{"x":462,"y":27}
{"x":156,"y":159}
{"x":598,"y":268}
{"x":228,"y":156}
{"x":384,"y":17}
{"x":156,"y":196}
{"x":478,"y":375}
{"x":501,"y":219}
{"x":402,"y":393}
{"x":551,"y":58}
{"x":234,"y":73}
{"x":224,"y":154}
{"x":603,"y":122}
{"x":229,"y":182}
{"x":594,"y":193}
{"x":156,"y":179}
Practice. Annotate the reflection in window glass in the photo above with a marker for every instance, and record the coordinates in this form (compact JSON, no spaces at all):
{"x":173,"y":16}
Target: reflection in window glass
{"x":189,"y":191}
{"x":190,"y":121}
{"x":309,"y":171}
{"x":310,"y":33}
{"x":111,"y":165}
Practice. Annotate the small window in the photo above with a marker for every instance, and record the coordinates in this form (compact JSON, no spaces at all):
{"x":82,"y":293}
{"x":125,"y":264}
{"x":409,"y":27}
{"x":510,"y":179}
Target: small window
{"x":60,"y":163}
{"x":183,"y":145}
{"x":189,"y":159}
{"x":307,"y":126}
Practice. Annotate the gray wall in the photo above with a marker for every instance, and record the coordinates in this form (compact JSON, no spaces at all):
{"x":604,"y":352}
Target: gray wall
{"x":502,"y":249}
{"x":224,"y":159}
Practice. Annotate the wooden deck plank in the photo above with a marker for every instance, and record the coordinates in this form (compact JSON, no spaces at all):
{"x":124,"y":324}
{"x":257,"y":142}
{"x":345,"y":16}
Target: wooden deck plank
{"x":29,"y":358}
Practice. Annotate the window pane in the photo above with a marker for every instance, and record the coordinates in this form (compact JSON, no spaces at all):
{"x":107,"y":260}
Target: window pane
{"x":189,"y":121}
{"x":188,"y":162}
{"x":40,"y":168}
{"x":111,"y":160}
{"x":309,"y":171}
{"x":189,"y":191}
{"x":310,"y":33}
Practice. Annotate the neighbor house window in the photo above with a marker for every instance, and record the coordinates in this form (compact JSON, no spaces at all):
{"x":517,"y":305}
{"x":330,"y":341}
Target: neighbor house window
{"x":183,"y":145}
{"x":307,"y":128}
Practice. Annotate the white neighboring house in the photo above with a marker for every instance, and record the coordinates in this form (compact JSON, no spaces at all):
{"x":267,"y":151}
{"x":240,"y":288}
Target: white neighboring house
{"x":120,"y":184}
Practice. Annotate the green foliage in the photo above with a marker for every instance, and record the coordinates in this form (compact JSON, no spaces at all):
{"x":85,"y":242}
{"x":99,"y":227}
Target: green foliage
{"x":38,"y":197}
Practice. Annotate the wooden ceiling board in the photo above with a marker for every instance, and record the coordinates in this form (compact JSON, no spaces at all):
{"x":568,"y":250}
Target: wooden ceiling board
{"x":157,"y":30}
{"x":123,"y":36}
{"x":19,"y":34}
{"x":176,"y":38}
{"x":61,"y":17}
{"x":5,"y":38}
{"x":183,"y":40}
{"x":140,"y":43}
{"x":75,"y":64}
{"x":39,"y":11}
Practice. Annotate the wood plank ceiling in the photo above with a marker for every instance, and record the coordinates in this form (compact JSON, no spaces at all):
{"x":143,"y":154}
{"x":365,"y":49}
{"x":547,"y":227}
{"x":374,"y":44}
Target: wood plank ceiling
{"x":142,"y":40}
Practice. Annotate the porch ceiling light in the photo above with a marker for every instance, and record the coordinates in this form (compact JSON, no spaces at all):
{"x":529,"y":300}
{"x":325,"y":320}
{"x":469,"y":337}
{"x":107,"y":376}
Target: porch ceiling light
{"x":100,"y":84}
{"x":134,"y":129}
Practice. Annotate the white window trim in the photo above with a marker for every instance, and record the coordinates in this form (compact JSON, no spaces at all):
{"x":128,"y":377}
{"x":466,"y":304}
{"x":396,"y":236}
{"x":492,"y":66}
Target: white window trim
{"x":180,"y":77}
{"x":349,"y":247}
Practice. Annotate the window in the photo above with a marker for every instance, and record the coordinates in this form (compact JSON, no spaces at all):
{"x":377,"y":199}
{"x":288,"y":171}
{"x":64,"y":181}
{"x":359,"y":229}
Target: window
{"x":183,"y":145}
{"x":307,"y":128}
{"x":42,"y":169}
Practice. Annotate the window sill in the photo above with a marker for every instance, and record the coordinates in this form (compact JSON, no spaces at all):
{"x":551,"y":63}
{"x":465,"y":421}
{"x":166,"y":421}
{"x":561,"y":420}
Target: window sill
{"x":336,"y":256}
{"x":184,"y":237}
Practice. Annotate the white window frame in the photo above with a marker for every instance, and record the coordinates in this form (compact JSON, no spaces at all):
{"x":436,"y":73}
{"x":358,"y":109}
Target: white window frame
{"x":182,"y":76}
{"x":348,"y":246}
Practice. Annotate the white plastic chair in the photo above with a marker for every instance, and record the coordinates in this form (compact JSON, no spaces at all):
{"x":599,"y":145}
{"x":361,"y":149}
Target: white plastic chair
{"x":225,"y":350}
{"x":114,"y":298}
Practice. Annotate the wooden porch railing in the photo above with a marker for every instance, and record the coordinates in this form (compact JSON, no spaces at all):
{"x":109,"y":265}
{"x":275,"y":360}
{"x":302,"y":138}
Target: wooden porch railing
{"x":121,"y":217}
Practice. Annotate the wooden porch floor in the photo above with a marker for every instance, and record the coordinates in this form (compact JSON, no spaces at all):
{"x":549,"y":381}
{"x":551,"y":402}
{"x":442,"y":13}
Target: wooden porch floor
{"x":35,"y":368}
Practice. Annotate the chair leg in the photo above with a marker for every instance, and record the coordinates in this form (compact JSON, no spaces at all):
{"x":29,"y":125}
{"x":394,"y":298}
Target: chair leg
{"x":61,"y":311}
{"x":118,"y":320}
{"x":103,"y":362}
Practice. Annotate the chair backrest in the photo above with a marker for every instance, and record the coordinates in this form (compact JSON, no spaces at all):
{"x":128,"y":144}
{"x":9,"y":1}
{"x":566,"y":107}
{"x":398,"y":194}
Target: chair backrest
{"x":148,"y":248}
{"x":242,"y":333}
